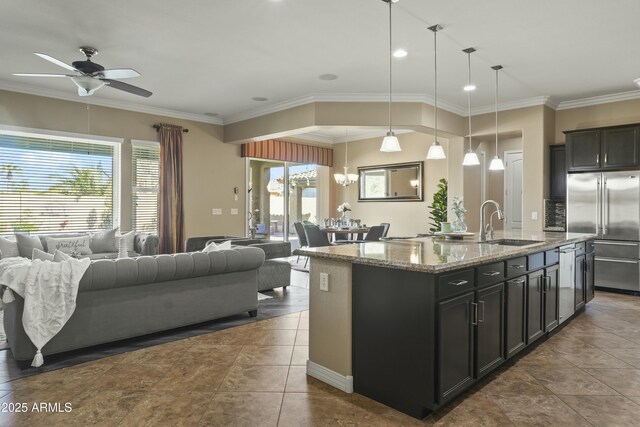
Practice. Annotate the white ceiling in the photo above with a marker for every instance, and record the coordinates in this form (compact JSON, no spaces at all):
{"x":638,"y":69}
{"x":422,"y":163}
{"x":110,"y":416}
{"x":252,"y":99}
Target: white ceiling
{"x":203,"y":56}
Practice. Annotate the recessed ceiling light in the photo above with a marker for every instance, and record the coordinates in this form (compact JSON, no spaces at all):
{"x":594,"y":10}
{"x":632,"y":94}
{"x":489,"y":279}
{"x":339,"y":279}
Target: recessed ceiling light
{"x":260,"y":98}
{"x":637,"y":82}
{"x":400,"y":53}
{"x":469,"y":88}
{"x":327,"y":77}
{"x":211,"y":114}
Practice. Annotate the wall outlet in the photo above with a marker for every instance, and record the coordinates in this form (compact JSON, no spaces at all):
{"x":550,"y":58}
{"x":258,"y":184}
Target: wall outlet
{"x":234,"y":211}
{"x":216,"y":211}
{"x":324,"y":282}
{"x":534,"y":216}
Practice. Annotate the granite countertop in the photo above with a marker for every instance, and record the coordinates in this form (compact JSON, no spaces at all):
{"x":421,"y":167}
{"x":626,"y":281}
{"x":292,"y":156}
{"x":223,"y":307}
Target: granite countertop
{"x":437,"y":255}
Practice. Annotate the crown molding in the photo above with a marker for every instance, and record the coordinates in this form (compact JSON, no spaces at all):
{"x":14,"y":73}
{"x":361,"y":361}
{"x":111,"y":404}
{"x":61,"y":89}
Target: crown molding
{"x":93,"y":100}
{"x":514,"y":105}
{"x":342,"y":97}
{"x":596,"y":100}
{"x":319,"y":137}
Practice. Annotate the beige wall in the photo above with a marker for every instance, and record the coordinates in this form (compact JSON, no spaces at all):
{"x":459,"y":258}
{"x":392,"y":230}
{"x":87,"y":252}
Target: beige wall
{"x":211,"y":168}
{"x":611,"y":114}
{"x":406,"y":218}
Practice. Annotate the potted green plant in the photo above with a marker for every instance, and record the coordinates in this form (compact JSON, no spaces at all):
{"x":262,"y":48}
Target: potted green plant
{"x":439,"y":206}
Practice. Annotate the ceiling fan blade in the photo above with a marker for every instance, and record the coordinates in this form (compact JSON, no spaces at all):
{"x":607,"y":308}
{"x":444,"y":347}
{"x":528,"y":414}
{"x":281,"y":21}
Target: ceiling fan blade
{"x":127,"y":87}
{"x":56,"y":61}
{"x":40,"y":75}
{"x":118,"y":73}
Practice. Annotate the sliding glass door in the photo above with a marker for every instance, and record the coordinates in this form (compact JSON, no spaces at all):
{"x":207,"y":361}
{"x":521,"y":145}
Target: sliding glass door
{"x":280,"y":193}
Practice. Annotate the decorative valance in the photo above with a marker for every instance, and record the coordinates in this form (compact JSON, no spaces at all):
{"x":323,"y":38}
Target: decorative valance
{"x":274,"y":149}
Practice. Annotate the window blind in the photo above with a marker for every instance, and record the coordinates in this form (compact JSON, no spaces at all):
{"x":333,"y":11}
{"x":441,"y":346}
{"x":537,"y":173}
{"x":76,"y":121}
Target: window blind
{"x":145,"y":178}
{"x":56,"y":185}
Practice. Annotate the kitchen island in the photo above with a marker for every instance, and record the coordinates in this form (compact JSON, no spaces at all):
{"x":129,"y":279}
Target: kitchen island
{"x":412,"y":323}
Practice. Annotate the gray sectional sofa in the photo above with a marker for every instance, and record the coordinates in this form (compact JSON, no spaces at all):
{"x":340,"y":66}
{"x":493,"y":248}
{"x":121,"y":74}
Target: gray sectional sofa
{"x":129,"y":297}
{"x":276,"y":271}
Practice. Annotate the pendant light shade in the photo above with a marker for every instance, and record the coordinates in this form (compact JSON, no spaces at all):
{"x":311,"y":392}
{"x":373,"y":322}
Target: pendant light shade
{"x":470,"y":158}
{"x":345,"y":179}
{"x":496,"y":163}
{"x":390,"y":142}
{"x":435,"y":151}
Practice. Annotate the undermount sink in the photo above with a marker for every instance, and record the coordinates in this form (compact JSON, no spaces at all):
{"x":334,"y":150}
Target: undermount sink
{"x":513,"y":242}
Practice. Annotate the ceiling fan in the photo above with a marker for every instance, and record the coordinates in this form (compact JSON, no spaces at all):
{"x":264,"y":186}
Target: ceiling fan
{"x":90,"y":76}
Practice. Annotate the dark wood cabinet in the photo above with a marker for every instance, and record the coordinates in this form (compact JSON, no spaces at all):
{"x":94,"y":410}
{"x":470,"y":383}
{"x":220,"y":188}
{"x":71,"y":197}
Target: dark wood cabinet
{"x":610,"y":148}
{"x":490,"y":329}
{"x":551,"y":313}
{"x":589,"y":263}
{"x":515,"y":315}
{"x":580,"y":277}
{"x":535,"y":305}
{"x":620,"y":148}
{"x":583,"y":151}
{"x":456,"y":335}
{"x":557,"y":172}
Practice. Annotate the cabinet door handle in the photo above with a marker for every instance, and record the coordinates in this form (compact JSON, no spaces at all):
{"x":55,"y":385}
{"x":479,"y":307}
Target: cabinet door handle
{"x":547,"y":280}
{"x":597,"y":158}
{"x":458,"y":282}
{"x":492,"y":273}
{"x":474,"y":314}
{"x":517,"y":281}
{"x":605,"y":158}
{"x":481,"y":320}
{"x":540,"y":285}
{"x":517,"y":266}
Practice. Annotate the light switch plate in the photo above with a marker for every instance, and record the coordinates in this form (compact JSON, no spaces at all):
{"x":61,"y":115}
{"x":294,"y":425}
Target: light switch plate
{"x":534,"y":216}
{"x":234,"y":211}
{"x":324,"y":282}
{"x":216,"y":211}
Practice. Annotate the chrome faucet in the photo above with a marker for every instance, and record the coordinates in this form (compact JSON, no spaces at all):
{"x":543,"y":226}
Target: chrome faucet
{"x":484,"y":229}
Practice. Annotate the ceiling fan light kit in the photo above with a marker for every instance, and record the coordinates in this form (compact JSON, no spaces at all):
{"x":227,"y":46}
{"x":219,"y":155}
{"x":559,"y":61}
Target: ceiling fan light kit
{"x":390,"y":143}
{"x":90,"y":76}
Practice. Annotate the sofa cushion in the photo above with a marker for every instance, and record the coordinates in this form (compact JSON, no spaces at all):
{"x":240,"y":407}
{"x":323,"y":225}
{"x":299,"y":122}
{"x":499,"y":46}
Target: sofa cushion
{"x":128,"y":238}
{"x":26,"y":244}
{"x":103,"y":241}
{"x":107,"y":273}
{"x":79,"y":244}
{"x":41,"y":255}
{"x":8,"y":248}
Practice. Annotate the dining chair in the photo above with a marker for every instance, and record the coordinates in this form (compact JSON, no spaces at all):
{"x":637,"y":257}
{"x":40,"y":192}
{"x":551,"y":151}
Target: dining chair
{"x":386,"y":226}
{"x":315,"y":237}
{"x":302,"y":237}
{"x":373,"y":235}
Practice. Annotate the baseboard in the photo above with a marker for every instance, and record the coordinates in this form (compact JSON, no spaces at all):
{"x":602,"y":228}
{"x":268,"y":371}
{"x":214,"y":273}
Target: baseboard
{"x":341,"y":382}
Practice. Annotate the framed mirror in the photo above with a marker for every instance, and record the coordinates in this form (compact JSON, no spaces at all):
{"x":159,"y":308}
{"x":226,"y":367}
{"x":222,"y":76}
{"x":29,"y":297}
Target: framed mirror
{"x":401,"y":182}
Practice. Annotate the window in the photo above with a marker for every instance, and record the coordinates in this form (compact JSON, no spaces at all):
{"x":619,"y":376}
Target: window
{"x":145,"y":179}
{"x":57,"y":182}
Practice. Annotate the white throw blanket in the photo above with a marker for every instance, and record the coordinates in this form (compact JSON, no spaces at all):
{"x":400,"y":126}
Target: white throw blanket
{"x":49,"y":290}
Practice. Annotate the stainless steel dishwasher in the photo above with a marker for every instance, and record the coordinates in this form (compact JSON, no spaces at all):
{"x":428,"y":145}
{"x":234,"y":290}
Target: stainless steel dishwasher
{"x":566,"y":292}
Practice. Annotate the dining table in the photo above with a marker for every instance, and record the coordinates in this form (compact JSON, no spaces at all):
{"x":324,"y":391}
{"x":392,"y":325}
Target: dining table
{"x":355,"y":233}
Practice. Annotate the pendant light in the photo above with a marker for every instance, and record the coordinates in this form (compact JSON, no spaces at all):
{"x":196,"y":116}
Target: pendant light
{"x":345,"y":179}
{"x":496,"y":163}
{"x":390,"y":142}
{"x":435,"y":151}
{"x":470,"y":158}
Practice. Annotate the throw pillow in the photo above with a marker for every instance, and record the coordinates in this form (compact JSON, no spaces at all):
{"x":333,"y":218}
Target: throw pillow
{"x":103,"y":241}
{"x":26,"y":244}
{"x":79,"y":244}
{"x":41,"y":255}
{"x":128,"y":239}
{"x":219,"y":247}
{"x":8,"y":248}
{"x":60,"y":256}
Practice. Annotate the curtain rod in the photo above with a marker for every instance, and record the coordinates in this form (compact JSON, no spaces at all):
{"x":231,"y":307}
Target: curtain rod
{"x":157,"y":128}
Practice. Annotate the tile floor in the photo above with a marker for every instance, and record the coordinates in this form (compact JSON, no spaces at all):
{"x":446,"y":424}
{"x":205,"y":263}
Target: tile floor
{"x":254,"y":375}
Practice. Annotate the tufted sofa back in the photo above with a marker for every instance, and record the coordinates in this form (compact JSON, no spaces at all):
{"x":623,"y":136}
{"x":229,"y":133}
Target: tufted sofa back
{"x":117,"y":273}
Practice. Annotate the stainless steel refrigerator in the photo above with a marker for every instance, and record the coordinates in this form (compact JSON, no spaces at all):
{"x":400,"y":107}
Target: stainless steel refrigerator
{"x":608,"y":204}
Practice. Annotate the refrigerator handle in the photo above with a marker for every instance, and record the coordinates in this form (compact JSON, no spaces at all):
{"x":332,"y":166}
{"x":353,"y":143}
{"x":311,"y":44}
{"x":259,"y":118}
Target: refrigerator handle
{"x":605,"y":207}
{"x":598,"y":210}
